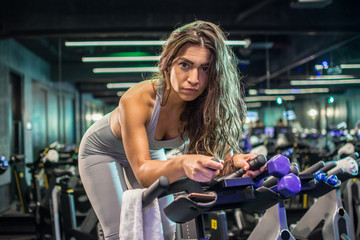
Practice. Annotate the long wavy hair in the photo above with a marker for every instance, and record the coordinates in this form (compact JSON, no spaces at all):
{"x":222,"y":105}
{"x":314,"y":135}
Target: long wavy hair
{"x":213,"y":122}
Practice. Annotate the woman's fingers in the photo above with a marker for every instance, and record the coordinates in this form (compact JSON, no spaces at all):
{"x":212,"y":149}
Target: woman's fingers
{"x":263,"y":168}
{"x":213,"y":165}
{"x":251,"y":173}
{"x":241,"y":161}
{"x":241,"y":164}
{"x":201,"y":168}
{"x":209,"y":169}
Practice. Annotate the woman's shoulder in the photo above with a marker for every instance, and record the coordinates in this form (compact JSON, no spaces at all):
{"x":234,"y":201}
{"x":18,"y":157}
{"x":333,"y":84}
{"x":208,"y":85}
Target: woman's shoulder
{"x":143,"y":92}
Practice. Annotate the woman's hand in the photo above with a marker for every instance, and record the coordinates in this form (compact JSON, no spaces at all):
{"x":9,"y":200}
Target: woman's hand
{"x":241,"y":160}
{"x":201,"y":168}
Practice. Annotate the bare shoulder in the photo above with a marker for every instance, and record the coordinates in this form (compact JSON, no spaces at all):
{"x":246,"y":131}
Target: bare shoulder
{"x":139,"y":100}
{"x":143,"y":92}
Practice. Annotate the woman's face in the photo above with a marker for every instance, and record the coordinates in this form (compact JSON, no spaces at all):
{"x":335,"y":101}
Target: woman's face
{"x":189,"y":72}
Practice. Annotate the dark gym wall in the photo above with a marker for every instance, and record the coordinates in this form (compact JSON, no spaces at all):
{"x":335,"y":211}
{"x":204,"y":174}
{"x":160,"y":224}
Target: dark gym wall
{"x":39,"y":117}
{"x":53,"y":116}
{"x":5,"y":120}
{"x":353,"y":105}
{"x":46,"y":112}
{"x":14,"y":59}
{"x":69,"y":118}
{"x":16,"y":86}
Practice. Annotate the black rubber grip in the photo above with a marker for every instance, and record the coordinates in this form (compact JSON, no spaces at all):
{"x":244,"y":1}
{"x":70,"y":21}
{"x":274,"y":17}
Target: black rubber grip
{"x":328,"y":167}
{"x":314,"y":168}
{"x":255,"y":164}
{"x":155,"y":190}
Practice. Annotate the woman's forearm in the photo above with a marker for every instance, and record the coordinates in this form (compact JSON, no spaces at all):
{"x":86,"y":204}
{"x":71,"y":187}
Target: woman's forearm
{"x":151,"y":170}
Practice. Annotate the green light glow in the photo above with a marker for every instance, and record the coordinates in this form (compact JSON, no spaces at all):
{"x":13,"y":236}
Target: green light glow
{"x":127,"y":54}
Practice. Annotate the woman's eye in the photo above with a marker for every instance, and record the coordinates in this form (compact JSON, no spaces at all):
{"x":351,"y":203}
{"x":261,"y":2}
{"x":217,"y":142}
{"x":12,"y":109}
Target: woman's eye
{"x":183,"y":65}
{"x":205,"y":69}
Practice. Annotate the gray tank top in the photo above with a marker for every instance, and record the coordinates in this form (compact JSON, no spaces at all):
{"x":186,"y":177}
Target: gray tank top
{"x":100,"y":140}
{"x":151,"y":128}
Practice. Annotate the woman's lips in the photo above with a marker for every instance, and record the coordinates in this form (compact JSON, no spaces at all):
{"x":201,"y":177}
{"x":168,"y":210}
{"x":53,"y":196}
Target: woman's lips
{"x":190,"y":90}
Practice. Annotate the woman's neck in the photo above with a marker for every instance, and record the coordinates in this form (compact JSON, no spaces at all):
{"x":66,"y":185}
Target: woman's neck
{"x":173,"y":101}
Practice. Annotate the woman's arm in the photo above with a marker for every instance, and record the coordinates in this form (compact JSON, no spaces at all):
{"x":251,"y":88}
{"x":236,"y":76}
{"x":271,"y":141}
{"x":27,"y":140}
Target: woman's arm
{"x":135,"y":109}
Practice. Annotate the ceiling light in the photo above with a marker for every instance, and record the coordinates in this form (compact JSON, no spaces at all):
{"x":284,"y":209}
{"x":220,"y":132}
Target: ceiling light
{"x":344,"y":66}
{"x":253,"y":104}
{"x":296,"y":91}
{"x":120,"y":85}
{"x":326,"y":77}
{"x":126,"y":70}
{"x":324,"y":82}
{"x":268,"y":98}
{"x":331,"y":77}
{"x":245,"y":43}
{"x":252,"y":92}
{"x":115,"y":43}
{"x":120,"y":59}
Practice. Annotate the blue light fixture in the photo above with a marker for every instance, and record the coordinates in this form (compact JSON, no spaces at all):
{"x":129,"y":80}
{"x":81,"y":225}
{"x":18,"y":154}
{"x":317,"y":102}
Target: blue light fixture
{"x":325,"y":64}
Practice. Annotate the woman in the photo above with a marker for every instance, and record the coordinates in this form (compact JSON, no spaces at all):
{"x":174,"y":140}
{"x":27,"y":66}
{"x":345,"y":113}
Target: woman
{"x":195,"y":97}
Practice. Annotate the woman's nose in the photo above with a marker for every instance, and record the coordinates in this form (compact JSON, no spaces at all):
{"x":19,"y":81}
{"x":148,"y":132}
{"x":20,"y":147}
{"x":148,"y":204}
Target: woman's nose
{"x":194,"y":76}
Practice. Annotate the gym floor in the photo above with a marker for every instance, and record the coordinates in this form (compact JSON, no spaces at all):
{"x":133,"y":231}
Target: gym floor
{"x":14,"y":225}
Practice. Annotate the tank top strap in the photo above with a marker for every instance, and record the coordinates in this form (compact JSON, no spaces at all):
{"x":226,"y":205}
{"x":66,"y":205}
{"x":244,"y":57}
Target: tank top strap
{"x":151,"y":127}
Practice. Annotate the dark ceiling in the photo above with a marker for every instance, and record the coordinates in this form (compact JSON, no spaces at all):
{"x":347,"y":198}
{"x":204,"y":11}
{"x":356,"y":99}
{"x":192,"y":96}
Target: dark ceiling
{"x":287,"y":37}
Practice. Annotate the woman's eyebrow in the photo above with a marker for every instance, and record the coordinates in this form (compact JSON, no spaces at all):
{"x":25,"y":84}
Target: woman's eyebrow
{"x":185,"y":60}
{"x":190,"y":62}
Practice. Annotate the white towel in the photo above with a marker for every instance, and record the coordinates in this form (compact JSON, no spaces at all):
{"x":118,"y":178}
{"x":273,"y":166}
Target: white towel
{"x":137,"y":223}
